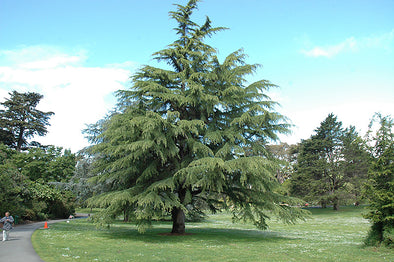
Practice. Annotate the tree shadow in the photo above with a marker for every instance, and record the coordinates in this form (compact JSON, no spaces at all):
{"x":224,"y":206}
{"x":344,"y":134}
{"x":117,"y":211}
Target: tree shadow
{"x":160,"y":234}
{"x":218,"y":235}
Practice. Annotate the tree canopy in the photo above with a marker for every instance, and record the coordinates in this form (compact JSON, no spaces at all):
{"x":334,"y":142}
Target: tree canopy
{"x":26,"y":182}
{"x":379,"y":188}
{"x":331,"y":164}
{"x":184,"y":139}
{"x":21,"y":120}
{"x":28,"y":169}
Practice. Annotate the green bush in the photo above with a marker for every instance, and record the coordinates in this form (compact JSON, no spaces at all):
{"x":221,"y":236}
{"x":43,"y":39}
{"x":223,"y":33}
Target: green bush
{"x":388,"y":237}
{"x":378,"y":235}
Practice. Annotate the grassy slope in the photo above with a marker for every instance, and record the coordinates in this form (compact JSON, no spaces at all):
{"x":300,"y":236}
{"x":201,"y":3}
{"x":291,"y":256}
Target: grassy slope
{"x":328,"y":236}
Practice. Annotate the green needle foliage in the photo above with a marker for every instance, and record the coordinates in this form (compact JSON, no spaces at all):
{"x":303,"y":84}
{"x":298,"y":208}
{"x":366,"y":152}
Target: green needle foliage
{"x":21,"y":120}
{"x":191,"y":138}
{"x":379,"y":189}
{"x":331,"y":165}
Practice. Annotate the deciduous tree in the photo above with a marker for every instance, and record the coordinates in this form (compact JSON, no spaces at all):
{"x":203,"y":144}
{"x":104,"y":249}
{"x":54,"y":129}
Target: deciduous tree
{"x":24,"y":186}
{"x":51,"y":164}
{"x":286,"y":155}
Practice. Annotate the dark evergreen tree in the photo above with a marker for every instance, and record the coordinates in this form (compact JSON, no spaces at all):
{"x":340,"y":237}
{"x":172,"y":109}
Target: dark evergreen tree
{"x":6,"y":137}
{"x":331,"y":164}
{"x":379,"y":189}
{"x":21,"y":120}
{"x":184,"y":139}
{"x":356,"y":162}
{"x":306,"y":181}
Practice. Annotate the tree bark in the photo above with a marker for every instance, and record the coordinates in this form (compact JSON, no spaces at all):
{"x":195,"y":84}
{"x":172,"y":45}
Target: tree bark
{"x":335,"y":204}
{"x":19,"y":141}
{"x":178,"y":221}
{"x":125,"y":215}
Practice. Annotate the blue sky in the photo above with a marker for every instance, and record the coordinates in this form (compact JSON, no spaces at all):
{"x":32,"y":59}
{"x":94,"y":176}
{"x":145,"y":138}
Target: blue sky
{"x":325,"y":56}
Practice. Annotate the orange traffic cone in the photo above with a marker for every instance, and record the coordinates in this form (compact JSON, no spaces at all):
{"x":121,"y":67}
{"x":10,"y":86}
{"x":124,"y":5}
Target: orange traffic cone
{"x":46,"y":225}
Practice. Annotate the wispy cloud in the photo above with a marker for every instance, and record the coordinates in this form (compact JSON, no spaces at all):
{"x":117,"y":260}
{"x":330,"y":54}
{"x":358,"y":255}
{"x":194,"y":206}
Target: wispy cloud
{"x":41,"y":57}
{"x":330,"y":51}
{"x":75,"y":93}
{"x":352,"y":44}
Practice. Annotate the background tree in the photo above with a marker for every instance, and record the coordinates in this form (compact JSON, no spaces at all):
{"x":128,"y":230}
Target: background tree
{"x":51,"y":164}
{"x":6,"y":137}
{"x":306,"y":180}
{"x":26,"y":183}
{"x":287,"y":157}
{"x":330,"y":164}
{"x":184,"y":140}
{"x":80,"y":183}
{"x":21,"y":120}
{"x":11,"y":181}
{"x":356,"y":162}
{"x":379,"y":189}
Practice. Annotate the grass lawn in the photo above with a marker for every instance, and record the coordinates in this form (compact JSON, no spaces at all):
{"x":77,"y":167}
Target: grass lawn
{"x":327,"y":236}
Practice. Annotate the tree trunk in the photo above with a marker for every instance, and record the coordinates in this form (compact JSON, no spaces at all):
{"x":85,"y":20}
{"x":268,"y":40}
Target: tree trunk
{"x":178,"y":221}
{"x":19,"y":141}
{"x":335,"y":204}
{"x":125,"y":215}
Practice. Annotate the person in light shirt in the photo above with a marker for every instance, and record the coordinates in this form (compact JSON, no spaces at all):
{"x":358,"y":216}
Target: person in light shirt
{"x":7,"y":225}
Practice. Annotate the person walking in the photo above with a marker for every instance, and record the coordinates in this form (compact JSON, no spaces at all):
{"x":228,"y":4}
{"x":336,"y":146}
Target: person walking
{"x":7,"y":225}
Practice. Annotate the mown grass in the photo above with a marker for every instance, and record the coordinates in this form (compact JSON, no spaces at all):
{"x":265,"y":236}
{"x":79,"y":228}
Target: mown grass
{"x":327,"y":236}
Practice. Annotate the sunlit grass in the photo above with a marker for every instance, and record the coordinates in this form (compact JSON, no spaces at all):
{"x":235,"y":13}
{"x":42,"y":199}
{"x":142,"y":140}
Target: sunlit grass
{"x":328,"y":236}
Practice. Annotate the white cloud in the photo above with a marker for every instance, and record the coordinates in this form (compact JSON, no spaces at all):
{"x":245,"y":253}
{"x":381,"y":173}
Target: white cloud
{"x":41,"y":57}
{"x":349,"y":44}
{"x":352,"y":44}
{"x":75,"y":93}
{"x":51,"y":62}
{"x":353,"y":113}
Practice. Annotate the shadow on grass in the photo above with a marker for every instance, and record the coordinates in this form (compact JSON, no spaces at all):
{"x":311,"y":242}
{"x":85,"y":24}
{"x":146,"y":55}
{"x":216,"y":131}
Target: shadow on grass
{"x":121,"y":231}
{"x":348,"y":211}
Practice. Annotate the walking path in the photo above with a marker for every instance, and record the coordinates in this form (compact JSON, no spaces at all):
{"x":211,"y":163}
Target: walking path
{"x":19,"y":247}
